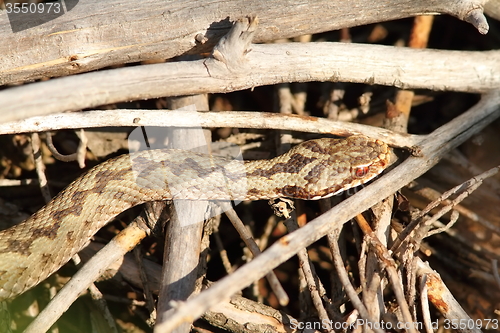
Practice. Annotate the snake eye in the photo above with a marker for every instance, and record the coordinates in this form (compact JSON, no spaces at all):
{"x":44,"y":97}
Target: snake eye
{"x":360,"y":172}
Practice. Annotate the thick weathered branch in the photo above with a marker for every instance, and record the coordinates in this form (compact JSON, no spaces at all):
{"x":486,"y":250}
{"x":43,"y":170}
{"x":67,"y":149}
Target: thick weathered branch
{"x":492,"y":8}
{"x":124,"y":31}
{"x":265,"y":65}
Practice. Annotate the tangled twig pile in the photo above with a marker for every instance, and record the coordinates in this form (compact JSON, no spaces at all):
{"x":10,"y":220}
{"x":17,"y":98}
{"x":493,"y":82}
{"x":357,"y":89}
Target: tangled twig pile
{"x":380,"y":272}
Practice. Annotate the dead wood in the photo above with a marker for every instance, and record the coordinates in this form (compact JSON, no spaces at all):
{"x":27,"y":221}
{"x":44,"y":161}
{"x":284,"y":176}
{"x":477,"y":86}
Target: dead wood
{"x":236,"y":64}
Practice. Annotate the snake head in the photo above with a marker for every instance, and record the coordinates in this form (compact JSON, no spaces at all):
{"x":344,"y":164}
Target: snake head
{"x":362,"y":159}
{"x":335,"y":165}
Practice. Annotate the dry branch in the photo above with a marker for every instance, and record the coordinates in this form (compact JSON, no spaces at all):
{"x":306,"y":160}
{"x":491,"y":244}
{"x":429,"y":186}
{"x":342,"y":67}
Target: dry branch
{"x":116,"y":249}
{"x":344,"y":276}
{"x":183,"y":235}
{"x":166,"y":118}
{"x":265,"y":65}
{"x":124,"y":31}
{"x":442,"y":298}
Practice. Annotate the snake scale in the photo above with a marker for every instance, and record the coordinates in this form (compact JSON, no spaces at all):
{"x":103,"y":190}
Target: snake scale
{"x":37,"y":247}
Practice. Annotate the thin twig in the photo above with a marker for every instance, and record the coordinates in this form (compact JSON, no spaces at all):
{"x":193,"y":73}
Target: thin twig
{"x":441,"y":297}
{"x":79,"y":155}
{"x":494,"y":269}
{"x":425,"y":304}
{"x":57,"y":155}
{"x":310,"y":276}
{"x":148,"y":295}
{"x":465,"y":189}
{"x":453,"y":219}
{"x":390,"y":266}
{"x":177,"y":118}
{"x":222,"y":252}
{"x":102,"y":305}
{"x":40,"y":167}
{"x":247,"y":237}
{"x":432,"y":194}
{"x":344,"y":279}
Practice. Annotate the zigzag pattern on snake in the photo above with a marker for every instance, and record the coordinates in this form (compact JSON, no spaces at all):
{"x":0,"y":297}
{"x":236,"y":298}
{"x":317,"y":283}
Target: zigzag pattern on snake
{"x":37,"y":247}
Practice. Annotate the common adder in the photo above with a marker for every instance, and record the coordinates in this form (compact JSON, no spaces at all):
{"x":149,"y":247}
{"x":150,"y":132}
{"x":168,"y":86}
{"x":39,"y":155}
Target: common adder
{"x":37,"y":247}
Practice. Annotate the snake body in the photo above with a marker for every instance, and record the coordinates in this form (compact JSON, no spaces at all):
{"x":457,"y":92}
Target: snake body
{"x":35,"y":248}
